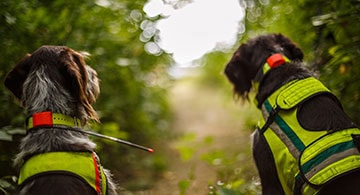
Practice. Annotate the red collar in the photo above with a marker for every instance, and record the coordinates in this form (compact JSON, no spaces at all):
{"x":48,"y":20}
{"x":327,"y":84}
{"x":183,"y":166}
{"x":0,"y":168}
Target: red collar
{"x":49,"y":119}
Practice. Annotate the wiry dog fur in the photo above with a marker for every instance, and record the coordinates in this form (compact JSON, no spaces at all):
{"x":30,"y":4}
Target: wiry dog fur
{"x":319,"y":113}
{"x":56,"y":79}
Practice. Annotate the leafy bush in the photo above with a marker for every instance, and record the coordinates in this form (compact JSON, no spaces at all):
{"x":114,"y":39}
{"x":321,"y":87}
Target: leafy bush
{"x":132,"y":103}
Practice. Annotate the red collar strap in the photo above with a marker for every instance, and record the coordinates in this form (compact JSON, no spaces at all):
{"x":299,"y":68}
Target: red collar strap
{"x":49,"y":119}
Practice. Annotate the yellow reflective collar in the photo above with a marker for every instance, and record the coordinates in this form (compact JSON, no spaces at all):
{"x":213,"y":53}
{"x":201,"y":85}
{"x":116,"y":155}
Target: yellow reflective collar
{"x":49,"y":119}
{"x":84,"y":164}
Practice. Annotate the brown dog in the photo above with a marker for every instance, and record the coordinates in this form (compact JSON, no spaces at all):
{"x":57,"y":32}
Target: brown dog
{"x":57,"y":88}
{"x":306,"y":143}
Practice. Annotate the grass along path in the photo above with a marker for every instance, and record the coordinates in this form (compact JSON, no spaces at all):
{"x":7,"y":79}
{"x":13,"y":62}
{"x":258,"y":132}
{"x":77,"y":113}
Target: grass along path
{"x":211,"y":149}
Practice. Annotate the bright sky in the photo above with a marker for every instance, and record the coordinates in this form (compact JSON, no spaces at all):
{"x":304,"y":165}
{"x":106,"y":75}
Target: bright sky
{"x":197,"y":28}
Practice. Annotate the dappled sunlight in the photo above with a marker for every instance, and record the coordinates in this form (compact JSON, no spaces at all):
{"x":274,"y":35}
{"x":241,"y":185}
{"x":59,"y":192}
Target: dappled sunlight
{"x":188,"y":34}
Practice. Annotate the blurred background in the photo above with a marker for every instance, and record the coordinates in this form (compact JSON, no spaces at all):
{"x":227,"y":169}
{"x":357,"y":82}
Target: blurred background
{"x":160,"y":63}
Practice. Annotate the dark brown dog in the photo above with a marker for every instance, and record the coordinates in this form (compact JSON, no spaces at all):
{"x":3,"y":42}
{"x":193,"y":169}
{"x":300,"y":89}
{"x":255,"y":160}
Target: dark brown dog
{"x":319,"y":113}
{"x":54,"y":85}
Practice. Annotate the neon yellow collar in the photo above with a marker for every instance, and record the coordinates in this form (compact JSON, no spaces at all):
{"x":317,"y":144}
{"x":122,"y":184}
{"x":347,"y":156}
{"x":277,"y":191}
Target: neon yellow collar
{"x":49,"y":119}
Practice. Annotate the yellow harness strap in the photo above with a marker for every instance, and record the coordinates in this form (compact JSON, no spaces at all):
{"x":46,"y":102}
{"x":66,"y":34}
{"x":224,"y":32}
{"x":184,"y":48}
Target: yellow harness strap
{"x":298,"y":91}
{"x":328,"y":157}
{"x":84,"y":164}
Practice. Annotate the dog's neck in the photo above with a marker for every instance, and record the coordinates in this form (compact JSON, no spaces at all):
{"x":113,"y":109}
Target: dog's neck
{"x":277,"y":77}
{"x":273,"y":61}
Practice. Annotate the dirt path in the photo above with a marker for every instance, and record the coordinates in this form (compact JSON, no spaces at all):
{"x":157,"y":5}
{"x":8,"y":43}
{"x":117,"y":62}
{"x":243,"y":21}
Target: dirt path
{"x":211,"y":140}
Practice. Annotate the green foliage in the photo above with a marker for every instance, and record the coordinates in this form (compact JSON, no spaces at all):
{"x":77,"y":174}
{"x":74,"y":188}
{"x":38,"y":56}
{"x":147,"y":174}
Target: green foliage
{"x":213,"y":65}
{"x":339,"y":51}
{"x":132,"y":69}
{"x":233,"y":177}
{"x":185,"y":148}
{"x":233,"y":168}
{"x":184,"y":185}
{"x":284,"y":16}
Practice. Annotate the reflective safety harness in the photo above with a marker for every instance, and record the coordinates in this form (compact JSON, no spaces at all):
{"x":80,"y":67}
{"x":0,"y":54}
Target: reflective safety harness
{"x":83,"y":165}
{"x":305,"y":160}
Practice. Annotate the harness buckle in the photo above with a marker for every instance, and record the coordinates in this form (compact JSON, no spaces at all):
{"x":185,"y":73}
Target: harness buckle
{"x":274,"y":111}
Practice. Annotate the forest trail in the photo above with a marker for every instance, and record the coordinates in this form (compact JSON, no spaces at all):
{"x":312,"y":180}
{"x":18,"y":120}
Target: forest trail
{"x":211,"y":142}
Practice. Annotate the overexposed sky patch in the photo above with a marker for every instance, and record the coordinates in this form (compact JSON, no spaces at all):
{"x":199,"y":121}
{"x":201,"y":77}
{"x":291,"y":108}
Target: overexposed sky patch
{"x":197,"y":28}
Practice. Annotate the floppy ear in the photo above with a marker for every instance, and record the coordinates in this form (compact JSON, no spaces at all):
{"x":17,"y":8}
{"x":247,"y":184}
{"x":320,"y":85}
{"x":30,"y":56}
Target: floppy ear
{"x":16,"y":77}
{"x":240,"y":71}
{"x":92,"y":89}
{"x":293,"y":51}
{"x":76,"y":68}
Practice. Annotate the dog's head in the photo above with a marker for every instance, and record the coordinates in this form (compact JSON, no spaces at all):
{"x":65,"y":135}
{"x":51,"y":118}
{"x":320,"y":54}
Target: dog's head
{"x":249,"y":58}
{"x":55,"y":75}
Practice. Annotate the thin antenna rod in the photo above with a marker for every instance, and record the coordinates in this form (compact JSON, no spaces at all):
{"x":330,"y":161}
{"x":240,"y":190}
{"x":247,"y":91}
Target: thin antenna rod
{"x":113,"y":139}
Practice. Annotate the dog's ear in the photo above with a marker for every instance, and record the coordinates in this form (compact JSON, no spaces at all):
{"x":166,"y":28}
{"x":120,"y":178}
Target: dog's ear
{"x":77,"y":70}
{"x":240,"y":71}
{"x":292,"y":50}
{"x":93,"y":89}
{"x":16,"y":77}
